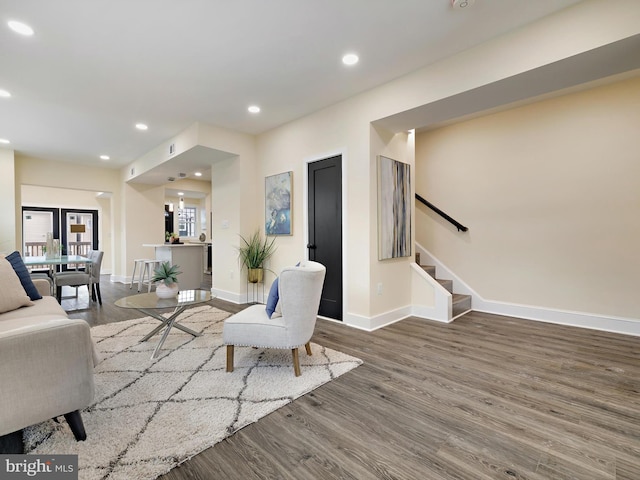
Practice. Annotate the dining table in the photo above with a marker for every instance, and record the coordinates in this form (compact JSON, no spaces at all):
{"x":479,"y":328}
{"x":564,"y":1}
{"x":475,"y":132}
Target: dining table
{"x":54,"y":263}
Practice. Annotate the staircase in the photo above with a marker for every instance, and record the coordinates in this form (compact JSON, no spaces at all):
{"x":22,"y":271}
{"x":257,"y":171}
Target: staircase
{"x":460,"y":304}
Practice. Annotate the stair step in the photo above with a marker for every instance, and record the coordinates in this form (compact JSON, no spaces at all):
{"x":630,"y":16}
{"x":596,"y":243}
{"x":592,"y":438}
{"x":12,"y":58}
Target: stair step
{"x":460,"y":304}
{"x":447,"y":284}
{"x":430,"y":269}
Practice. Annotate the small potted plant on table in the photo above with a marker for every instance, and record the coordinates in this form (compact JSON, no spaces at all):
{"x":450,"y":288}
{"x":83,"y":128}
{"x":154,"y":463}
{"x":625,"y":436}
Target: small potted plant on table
{"x":166,"y":278}
{"x":172,"y":237}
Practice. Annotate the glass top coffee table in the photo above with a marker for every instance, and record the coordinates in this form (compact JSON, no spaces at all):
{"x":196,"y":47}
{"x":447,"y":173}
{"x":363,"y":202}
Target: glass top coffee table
{"x":150,"y":303}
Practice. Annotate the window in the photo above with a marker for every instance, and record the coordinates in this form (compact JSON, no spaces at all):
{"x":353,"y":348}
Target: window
{"x":187,"y":222}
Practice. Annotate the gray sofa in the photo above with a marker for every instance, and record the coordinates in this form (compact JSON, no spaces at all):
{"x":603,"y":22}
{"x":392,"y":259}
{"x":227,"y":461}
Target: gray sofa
{"x":46,"y":365}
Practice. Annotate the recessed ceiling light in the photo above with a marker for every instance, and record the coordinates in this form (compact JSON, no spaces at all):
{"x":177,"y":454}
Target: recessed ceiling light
{"x":180,"y":194}
{"x":198,"y":174}
{"x":350,"y":59}
{"x":4,"y":93}
{"x":254,"y":109}
{"x":104,"y":157}
{"x":3,"y":140}
{"x":21,"y":28}
{"x":141,"y":126}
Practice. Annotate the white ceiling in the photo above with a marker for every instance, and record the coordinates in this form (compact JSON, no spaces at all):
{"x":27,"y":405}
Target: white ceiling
{"x":94,"y":68}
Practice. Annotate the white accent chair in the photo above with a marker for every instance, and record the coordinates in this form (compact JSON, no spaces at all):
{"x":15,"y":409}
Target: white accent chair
{"x":300,"y":289}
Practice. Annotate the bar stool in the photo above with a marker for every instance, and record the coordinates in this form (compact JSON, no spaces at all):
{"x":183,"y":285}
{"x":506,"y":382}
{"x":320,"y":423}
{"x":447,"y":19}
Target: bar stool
{"x":138,"y":262}
{"x":148,"y":267}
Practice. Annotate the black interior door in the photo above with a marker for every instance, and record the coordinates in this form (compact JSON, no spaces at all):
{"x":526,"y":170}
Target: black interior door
{"x":325,"y":229}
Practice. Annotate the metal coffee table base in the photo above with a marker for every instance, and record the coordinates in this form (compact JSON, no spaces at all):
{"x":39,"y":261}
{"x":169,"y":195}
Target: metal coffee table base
{"x":168,"y":322}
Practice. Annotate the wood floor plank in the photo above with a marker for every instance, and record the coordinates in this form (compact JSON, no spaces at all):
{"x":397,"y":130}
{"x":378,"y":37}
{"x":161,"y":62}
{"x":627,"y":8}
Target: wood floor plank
{"x":485,"y":397}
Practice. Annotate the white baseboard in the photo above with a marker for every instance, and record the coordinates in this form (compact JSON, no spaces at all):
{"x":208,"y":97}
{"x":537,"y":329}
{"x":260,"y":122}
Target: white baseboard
{"x":228,"y":296}
{"x":122,"y":279}
{"x":428,"y":313}
{"x":373,"y":323}
{"x":626,"y":326}
{"x":119,"y":279}
{"x":370,"y":324}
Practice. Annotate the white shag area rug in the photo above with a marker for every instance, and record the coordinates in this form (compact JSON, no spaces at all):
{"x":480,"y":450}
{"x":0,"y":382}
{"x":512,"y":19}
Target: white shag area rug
{"x":149,"y":416}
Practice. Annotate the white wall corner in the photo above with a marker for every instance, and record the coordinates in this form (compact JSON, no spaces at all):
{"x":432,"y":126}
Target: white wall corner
{"x":357,"y":321}
{"x":119,"y":279}
{"x":428,"y":313}
{"x":429,"y":299}
{"x":229,"y":296}
{"x":373,"y":323}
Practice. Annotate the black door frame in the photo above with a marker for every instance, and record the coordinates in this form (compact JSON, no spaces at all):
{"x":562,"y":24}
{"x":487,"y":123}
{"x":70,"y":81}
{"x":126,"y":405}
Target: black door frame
{"x":343,"y":191}
{"x":63,"y":226}
{"x":56,"y":219}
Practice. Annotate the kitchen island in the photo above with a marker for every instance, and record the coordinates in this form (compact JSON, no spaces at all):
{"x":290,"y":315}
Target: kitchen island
{"x":188,"y":256}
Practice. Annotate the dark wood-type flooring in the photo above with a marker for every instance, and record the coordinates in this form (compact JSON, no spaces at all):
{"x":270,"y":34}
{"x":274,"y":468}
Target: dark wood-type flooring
{"x":485,"y":397}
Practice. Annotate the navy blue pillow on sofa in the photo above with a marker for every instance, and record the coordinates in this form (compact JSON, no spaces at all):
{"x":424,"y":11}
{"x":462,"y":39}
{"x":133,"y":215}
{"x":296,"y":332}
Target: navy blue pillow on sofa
{"x":272,"y":299}
{"x":23,"y":274}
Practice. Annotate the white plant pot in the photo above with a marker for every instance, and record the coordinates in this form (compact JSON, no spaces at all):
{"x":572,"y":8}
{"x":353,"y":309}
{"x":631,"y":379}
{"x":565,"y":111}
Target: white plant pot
{"x":166,"y":291}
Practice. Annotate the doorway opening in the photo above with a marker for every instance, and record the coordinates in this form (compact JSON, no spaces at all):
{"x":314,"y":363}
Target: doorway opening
{"x":77,"y":230}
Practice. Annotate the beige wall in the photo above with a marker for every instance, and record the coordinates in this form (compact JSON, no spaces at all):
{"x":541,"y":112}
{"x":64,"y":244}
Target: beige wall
{"x":45,"y":183}
{"x":389,"y":279}
{"x":551,"y":195}
{"x":235,"y":205}
{"x":142,"y":224}
{"x":9,"y":197}
{"x":37,"y":196}
{"x":345,"y":128}
{"x":237,"y":191}
{"x":342,"y":129}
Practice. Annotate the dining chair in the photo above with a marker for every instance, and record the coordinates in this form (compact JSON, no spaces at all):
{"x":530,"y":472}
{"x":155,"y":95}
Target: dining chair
{"x":76,"y":278}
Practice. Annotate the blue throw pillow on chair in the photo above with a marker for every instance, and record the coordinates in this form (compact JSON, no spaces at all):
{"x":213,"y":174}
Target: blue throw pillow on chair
{"x":23,"y":274}
{"x":272,"y":299}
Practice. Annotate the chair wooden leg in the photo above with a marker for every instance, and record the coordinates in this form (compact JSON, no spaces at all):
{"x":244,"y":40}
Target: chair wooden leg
{"x":296,"y":362}
{"x":229,"y":358}
{"x":307,"y":346}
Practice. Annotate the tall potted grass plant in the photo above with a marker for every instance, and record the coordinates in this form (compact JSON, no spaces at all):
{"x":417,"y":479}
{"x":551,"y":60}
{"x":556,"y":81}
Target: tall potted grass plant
{"x":253,"y":253}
